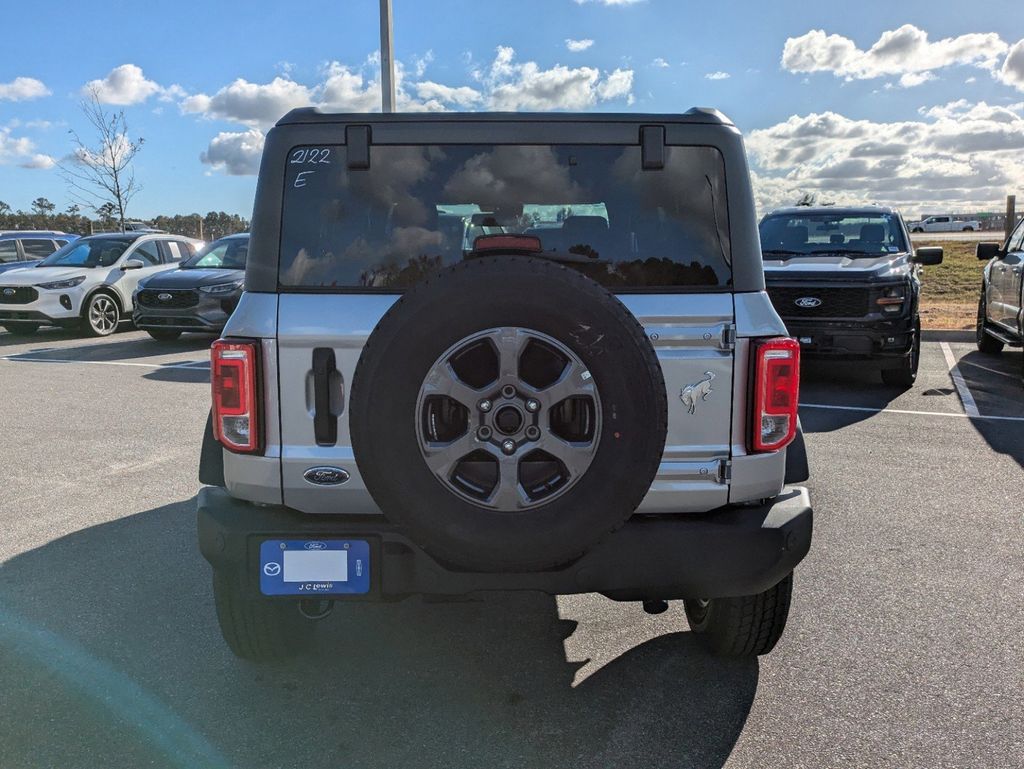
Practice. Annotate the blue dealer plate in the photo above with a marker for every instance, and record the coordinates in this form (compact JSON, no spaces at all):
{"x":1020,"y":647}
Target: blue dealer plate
{"x":314,"y":567}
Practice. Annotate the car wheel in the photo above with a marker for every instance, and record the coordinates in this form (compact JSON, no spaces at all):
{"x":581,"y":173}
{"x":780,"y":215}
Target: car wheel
{"x":22,"y":329}
{"x":496,"y":434}
{"x":258,"y":629}
{"x":906,"y":374}
{"x":745,"y":626}
{"x":968,"y":229}
{"x":163,"y":335}
{"x":918,"y":229}
{"x":986,"y":343}
{"x":101,"y":315}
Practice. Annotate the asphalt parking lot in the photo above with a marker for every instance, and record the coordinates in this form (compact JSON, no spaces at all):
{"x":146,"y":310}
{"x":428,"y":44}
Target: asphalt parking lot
{"x":905,"y":646}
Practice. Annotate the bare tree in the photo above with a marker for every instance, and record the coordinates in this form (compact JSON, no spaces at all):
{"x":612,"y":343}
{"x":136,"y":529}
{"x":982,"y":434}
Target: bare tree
{"x":100,"y":175}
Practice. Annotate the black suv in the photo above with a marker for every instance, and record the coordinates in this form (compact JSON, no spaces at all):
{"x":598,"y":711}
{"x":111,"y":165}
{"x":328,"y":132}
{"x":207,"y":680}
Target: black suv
{"x":847,"y":283}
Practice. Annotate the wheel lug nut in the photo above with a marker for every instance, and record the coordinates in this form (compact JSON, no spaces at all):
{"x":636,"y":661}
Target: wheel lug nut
{"x":484,"y":433}
{"x":532,"y":405}
{"x":484,"y":405}
{"x":508,"y":391}
{"x":532,"y":432}
{"x":508,"y":447}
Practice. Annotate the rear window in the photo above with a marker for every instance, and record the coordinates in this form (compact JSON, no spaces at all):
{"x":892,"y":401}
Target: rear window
{"x":418,"y":209}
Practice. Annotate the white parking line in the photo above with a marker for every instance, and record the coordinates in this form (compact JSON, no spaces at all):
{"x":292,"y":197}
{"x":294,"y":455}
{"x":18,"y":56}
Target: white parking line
{"x":18,"y":359}
{"x":907,"y":411}
{"x":958,"y":381}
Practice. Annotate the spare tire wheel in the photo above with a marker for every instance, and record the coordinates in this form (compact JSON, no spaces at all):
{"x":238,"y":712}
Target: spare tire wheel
{"x":507,"y":414}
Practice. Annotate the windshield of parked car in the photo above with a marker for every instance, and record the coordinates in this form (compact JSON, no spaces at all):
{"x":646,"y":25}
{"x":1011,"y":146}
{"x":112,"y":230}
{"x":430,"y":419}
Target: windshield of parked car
{"x":855,"y":234}
{"x":417,"y":209}
{"x":227,"y":254}
{"x":88,"y":252}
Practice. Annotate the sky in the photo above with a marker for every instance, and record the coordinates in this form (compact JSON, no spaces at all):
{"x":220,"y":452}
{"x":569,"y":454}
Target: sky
{"x":914,"y":104}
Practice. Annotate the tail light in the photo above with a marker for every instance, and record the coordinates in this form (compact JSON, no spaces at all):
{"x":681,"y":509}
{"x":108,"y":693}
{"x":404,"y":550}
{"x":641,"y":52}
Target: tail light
{"x":236,"y":422}
{"x":776,"y":394}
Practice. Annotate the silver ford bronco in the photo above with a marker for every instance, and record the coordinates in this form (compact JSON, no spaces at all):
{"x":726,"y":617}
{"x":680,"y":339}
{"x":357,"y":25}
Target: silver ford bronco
{"x":503,"y":352}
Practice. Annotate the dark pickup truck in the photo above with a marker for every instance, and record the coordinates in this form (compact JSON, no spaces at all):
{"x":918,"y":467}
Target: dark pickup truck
{"x":847,"y":283}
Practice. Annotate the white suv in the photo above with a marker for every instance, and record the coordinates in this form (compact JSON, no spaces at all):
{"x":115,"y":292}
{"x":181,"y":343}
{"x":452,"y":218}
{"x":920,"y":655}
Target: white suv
{"x":89,"y":282}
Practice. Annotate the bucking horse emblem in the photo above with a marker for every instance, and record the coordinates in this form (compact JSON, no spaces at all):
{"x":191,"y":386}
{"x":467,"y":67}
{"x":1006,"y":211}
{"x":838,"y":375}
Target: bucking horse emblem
{"x":702,"y":389}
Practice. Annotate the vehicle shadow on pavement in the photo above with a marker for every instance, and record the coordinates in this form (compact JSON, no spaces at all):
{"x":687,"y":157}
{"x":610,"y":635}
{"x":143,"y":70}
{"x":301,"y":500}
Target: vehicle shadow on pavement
{"x":110,"y":656}
{"x":844,"y":383}
{"x":101,"y":350}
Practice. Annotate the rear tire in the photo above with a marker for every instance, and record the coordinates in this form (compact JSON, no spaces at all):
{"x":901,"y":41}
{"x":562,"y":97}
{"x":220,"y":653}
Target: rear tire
{"x":918,"y":229}
{"x":986,"y":344}
{"x":967,"y":229}
{"x":747,"y":626}
{"x":22,"y":329}
{"x":255,"y":629}
{"x":162,"y":335}
{"x":906,"y":374}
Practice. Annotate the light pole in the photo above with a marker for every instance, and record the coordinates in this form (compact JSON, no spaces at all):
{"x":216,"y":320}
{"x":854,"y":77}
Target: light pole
{"x":387,"y":59}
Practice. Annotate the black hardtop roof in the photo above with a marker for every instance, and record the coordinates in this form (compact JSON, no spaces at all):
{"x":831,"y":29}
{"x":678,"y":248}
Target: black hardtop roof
{"x":698,"y":115}
{"x":832,"y":210}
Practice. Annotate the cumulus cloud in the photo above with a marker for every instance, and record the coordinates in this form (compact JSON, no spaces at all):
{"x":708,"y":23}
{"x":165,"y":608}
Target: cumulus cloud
{"x":960,"y":155}
{"x":1012,"y":71}
{"x":512,"y":85}
{"x":902,"y":51}
{"x":122,"y":86}
{"x":20,"y":150}
{"x":659,"y":62}
{"x":252,"y":104}
{"x":718,"y":75}
{"x":578,"y":45}
{"x":504,"y":84}
{"x":23,"y":89}
{"x":236,"y":154}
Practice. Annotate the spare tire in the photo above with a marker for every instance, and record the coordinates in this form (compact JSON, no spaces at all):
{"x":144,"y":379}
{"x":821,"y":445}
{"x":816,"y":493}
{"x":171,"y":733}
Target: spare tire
{"x":508,"y":413}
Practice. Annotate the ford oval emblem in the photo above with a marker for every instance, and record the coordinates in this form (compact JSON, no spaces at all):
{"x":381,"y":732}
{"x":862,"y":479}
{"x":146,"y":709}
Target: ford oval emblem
{"x":164,"y":297}
{"x":326,"y":476}
{"x":808,"y":302}
{"x":316,"y":545}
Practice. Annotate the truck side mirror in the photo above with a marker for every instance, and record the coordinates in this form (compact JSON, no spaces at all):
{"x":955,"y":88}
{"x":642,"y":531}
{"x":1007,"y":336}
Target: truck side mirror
{"x":928,"y":255}
{"x":986,"y":251}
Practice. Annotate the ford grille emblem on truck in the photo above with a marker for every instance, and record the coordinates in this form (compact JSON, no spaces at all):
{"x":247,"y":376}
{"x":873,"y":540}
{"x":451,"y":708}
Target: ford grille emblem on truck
{"x":807,"y":302}
{"x":326,"y":476}
{"x":164,"y":297}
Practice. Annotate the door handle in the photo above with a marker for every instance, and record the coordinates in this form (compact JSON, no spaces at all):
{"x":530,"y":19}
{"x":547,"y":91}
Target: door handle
{"x":325,"y":422}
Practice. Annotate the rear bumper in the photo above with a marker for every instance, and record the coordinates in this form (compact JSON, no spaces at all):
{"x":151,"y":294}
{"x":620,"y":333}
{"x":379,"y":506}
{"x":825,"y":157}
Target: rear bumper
{"x":890,"y":340}
{"x":728,"y":552}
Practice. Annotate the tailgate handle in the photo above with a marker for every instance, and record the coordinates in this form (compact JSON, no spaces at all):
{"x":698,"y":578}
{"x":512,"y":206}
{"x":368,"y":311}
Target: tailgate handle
{"x":325,"y":422}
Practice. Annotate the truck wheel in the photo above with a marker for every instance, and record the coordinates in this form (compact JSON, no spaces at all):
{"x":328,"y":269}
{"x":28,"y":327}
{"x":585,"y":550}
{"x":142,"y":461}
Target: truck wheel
{"x":918,"y":229}
{"x":257,"y":629}
{"x":906,"y":374}
{"x":746,"y":626}
{"x":986,"y":343}
{"x":968,"y":229}
{"x":22,"y":329}
{"x":163,"y":335}
{"x":498,"y":434}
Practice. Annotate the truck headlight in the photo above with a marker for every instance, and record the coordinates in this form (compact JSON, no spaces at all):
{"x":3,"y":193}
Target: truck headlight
{"x":892,"y":299}
{"x":221,"y":288}
{"x":59,"y":284}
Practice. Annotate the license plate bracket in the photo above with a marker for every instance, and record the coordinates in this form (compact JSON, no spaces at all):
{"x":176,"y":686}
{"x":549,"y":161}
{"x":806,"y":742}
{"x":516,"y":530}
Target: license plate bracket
{"x":314,"y":567}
